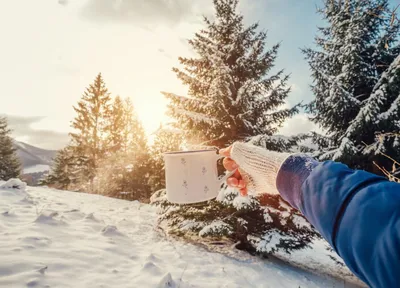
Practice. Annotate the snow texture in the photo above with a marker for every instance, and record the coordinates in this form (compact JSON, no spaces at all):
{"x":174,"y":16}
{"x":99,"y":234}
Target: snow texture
{"x":242,"y":203}
{"x":52,"y":238}
{"x":300,"y":222}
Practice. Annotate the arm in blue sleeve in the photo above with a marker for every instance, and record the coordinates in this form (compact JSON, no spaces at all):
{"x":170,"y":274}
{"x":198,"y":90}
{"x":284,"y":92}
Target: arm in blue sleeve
{"x":357,"y":212}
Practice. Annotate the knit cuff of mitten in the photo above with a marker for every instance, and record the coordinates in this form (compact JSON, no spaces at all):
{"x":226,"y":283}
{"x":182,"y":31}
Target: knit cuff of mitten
{"x":258,"y":166}
{"x":273,"y":172}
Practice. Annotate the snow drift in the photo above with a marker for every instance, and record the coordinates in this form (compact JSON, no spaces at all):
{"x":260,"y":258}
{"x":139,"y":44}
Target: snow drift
{"x":51,"y":238}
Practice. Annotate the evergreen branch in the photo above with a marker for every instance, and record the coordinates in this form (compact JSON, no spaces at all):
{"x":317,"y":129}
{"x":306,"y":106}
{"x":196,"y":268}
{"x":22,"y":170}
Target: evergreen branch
{"x":390,"y":158}
{"x":393,"y":16}
{"x":387,"y":173}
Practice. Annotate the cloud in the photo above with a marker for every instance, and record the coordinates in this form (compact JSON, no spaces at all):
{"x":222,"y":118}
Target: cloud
{"x":22,"y":130}
{"x":142,"y":12}
{"x":296,"y":88}
{"x":63,"y":2}
{"x":298,"y":124}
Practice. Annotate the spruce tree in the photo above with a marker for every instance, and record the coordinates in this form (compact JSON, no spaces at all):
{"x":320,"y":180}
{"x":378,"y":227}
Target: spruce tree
{"x":231,"y":98}
{"x":61,"y":175}
{"x":117,"y":126}
{"x":10,"y":166}
{"x":348,"y":62}
{"x":125,"y":131}
{"x":380,"y":114}
{"x":230,"y":94}
{"x":134,"y":135}
{"x":125,"y":166}
{"x":136,"y":176}
{"x":89,"y":139}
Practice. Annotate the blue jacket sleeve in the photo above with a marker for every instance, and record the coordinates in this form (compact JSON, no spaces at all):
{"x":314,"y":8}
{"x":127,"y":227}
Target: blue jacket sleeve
{"x":357,"y":212}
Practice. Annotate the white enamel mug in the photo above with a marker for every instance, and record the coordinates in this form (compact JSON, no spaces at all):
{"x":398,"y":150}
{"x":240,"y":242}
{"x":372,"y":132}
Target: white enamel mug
{"x":192,"y":176}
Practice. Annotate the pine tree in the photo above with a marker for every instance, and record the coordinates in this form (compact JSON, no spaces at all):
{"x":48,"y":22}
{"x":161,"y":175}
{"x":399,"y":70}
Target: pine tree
{"x":61,"y":175}
{"x":135,"y":139}
{"x":117,"y":126}
{"x":125,"y":167}
{"x":89,"y":140}
{"x":347,"y":64}
{"x":130,"y":124}
{"x":125,"y":131}
{"x":380,"y":114}
{"x":230,"y":95}
{"x":134,"y":135}
{"x":231,"y":98}
{"x":165,"y":140}
{"x":111,"y":176}
{"x":10,"y":166}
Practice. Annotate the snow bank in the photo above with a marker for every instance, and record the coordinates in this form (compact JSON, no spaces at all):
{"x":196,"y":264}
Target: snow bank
{"x":14,"y":184}
{"x":51,"y":238}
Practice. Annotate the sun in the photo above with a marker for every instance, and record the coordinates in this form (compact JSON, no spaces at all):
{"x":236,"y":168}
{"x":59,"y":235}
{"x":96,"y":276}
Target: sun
{"x":152,"y":114}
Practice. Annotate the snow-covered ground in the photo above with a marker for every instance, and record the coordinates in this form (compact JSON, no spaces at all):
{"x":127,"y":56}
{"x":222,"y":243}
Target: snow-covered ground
{"x":36,"y":168}
{"x":51,"y":238}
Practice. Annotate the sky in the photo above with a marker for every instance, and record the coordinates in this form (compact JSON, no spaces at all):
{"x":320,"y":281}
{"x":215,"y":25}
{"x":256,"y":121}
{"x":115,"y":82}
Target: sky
{"x":53,"y":49}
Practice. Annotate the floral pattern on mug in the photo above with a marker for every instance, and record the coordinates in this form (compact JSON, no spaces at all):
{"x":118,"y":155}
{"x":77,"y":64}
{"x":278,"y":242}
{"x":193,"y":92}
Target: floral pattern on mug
{"x":185,"y":184}
{"x":183,"y":161}
{"x":204,"y":170}
{"x":206,"y":189}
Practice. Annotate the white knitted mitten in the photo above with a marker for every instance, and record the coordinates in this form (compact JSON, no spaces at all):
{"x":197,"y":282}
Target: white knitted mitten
{"x":258,"y":166}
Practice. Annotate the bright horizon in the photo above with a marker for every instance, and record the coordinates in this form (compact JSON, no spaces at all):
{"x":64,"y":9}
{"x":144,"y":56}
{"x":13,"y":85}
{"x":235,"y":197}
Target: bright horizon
{"x":55,"y":48}
{"x":63,"y":50}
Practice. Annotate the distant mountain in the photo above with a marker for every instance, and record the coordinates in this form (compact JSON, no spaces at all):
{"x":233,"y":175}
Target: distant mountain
{"x":31,"y":157}
{"x":36,"y":162}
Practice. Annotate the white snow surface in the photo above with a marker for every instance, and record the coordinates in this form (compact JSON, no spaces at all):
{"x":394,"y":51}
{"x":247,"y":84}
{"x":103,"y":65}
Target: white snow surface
{"x":51,"y":238}
{"x":36,"y":168}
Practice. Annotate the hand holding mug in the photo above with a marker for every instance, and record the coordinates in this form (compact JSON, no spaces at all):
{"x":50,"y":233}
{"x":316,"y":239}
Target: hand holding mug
{"x":255,"y":168}
{"x":236,"y":180}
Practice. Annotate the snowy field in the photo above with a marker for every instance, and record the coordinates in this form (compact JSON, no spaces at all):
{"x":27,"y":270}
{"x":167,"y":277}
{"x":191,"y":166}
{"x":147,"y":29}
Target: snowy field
{"x":36,"y":169}
{"x":51,"y":238}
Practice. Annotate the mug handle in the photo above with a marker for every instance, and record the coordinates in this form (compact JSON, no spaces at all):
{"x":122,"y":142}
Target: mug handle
{"x":223,"y":179}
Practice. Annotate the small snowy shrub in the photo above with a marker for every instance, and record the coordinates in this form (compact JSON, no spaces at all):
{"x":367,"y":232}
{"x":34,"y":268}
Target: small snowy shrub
{"x":259,"y":225}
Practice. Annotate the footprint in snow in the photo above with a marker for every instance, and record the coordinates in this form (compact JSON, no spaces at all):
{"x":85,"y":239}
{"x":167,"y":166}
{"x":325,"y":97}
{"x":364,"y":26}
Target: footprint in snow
{"x":27,"y":200}
{"x":42,"y":270}
{"x":151,"y":268}
{"x":111,"y":231}
{"x":91,"y":217}
{"x":71,"y":211}
{"x":153,"y":258}
{"x":62,"y":204}
{"x":33,"y":283}
{"x":50,"y":219}
{"x":8,"y":214}
{"x":74,"y":215}
{"x":36,"y":241}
